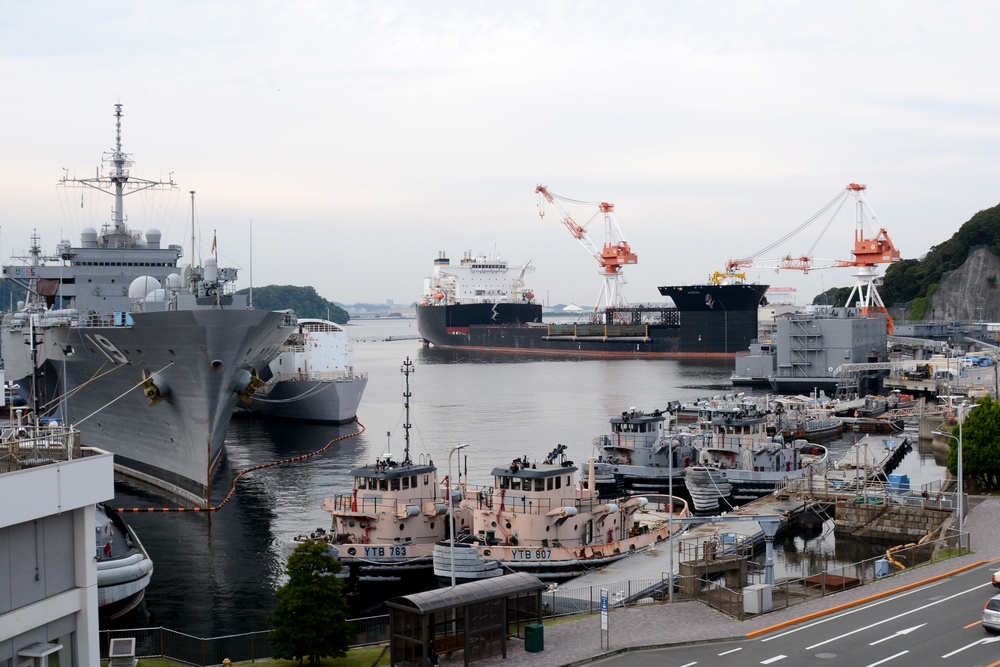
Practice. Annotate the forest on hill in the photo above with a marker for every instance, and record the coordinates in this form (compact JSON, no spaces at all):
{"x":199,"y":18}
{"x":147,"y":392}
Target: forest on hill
{"x":305,"y":301}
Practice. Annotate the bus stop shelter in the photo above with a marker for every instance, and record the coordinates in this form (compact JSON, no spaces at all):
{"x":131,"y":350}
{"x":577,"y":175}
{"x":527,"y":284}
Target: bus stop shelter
{"x":476,"y":618}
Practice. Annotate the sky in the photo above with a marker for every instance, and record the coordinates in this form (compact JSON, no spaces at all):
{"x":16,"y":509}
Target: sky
{"x":343,"y":144}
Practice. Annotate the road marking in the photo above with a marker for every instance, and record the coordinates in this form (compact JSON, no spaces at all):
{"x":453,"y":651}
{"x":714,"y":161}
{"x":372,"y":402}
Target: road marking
{"x":690,"y":664}
{"x":850,"y":611}
{"x":972,"y":625}
{"x":891,"y":657}
{"x":984,"y":640}
{"x":731,"y":651}
{"x":774,"y":659}
{"x":893,"y":618}
{"x":901,"y":632}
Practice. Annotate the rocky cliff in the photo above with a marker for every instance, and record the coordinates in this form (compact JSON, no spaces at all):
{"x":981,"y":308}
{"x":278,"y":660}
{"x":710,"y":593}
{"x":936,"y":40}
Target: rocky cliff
{"x":971,"y":292}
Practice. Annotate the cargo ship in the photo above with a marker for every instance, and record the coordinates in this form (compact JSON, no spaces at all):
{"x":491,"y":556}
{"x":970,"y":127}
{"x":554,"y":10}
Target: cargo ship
{"x":483,"y":303}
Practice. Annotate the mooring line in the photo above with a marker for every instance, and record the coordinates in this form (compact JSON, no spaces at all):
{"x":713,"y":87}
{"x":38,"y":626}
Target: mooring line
{"x":239,"y":475}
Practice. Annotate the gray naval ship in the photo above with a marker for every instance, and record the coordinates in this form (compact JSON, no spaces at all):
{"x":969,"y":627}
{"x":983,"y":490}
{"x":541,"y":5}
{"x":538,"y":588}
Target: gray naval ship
{"x":145,"y":355}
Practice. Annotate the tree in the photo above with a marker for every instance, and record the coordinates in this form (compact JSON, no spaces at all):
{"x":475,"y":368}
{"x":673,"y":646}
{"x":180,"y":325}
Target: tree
{"x":980,"y":446}
{"x":310,"y":618}
{"x":303,"y":300}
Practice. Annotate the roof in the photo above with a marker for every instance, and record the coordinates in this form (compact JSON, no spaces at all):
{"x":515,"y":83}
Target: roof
{"x":473,"y":592}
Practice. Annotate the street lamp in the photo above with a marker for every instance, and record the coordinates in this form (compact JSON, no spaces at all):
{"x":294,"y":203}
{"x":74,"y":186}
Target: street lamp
{"x":451,"y":511}
{"x":963,"y":407}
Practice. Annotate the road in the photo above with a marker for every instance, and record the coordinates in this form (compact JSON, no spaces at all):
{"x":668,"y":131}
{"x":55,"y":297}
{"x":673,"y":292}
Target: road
{"x":937,"y":624}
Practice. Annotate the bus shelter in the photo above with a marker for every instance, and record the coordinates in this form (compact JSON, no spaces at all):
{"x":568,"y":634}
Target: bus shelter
{"x":476,"y":618}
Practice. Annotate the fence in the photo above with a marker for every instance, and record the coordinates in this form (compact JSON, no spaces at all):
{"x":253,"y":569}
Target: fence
{"x":374,"y":630}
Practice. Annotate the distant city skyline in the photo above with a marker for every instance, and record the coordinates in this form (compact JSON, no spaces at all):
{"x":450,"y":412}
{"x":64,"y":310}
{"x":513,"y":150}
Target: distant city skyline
{"x":344,"y":145}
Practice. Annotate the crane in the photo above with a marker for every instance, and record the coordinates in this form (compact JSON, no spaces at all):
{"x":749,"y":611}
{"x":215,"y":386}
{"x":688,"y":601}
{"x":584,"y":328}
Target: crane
{"x":612,"y":256}
{"x":868,"y":253}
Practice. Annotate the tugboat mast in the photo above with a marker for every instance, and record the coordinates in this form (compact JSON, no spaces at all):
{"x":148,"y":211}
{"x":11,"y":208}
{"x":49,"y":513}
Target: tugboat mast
{"x":406,"y":370}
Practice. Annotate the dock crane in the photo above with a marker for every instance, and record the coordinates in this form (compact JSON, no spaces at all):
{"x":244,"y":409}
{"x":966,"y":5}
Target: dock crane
{"x":868,"y":254}
{"x":612,"y":256}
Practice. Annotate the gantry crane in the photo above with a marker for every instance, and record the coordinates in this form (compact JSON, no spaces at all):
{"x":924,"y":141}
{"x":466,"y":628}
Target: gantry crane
{"x":612,"y":256}
{"x":868,"y":254}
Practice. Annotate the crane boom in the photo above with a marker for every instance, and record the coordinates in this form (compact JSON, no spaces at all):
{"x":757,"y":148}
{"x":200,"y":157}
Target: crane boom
{"x":614,"y":254}
{"x":868,"y":253}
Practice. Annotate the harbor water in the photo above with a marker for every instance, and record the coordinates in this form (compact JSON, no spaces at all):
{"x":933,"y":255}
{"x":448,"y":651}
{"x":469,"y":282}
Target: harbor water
{"x":215,"y":573}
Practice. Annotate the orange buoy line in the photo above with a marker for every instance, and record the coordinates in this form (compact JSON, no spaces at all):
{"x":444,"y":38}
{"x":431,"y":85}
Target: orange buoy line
{"x":232,"y":489}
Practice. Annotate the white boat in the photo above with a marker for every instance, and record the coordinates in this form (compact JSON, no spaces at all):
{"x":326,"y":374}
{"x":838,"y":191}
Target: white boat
{"x":386,"y":527}
{"x":537,"y":519}
{"x":124,"y":568}
{"x":313,"y":377}
{"x":745,"y":461}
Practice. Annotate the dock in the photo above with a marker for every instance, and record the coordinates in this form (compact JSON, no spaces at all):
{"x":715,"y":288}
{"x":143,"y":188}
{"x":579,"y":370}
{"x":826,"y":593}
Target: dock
{"x":720,"y":545}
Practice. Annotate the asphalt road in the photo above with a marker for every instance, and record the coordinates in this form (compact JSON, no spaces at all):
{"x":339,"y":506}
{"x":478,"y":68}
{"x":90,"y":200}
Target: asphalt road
{"x":937,"y":624}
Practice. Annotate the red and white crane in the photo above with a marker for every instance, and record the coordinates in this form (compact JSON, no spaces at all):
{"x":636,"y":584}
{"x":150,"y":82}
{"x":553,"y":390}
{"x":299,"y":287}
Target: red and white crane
{"x":612,"y":256}
{"x":868,"y":253}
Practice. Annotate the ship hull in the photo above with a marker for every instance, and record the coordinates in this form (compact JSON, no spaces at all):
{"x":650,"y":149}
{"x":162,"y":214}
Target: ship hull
{"x":691,"y":330}
{"x":199,"y":357}
{"x":326,"y":401}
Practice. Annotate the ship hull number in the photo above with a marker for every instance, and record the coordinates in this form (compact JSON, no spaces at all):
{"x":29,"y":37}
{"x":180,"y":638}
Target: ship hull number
{"x":385,"y":552}
{"x":531,"y":554}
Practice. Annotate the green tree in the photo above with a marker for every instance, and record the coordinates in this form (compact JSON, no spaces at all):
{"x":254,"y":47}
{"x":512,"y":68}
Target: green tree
{"x":310,"y":618}
{"x":305,"y":301}
{"x":980,"y":447}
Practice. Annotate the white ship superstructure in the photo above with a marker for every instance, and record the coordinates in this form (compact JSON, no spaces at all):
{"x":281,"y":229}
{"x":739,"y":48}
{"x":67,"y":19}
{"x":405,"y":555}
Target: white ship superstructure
{"x":313,"y":377}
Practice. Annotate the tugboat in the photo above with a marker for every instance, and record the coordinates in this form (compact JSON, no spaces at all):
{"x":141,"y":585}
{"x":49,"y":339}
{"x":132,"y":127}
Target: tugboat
{"x":745,"y":461}
{"x":645,"y":453}
{"x":537,"y":519}
{"x":387,"y":526}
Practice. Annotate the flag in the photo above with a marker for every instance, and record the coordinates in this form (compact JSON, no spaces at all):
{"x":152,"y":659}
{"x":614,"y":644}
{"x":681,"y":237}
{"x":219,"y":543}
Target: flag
{"x":213,"y":243}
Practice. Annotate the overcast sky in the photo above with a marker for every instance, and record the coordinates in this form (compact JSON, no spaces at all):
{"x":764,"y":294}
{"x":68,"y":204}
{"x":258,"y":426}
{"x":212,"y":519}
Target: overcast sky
{"x":362,"y":138}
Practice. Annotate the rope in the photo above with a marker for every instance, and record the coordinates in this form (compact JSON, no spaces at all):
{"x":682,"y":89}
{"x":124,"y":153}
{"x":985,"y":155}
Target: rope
{"x":59,"y":399}
{"x":239,"y":476}
{"x":120,"y":396}
{"x":320,"y":386}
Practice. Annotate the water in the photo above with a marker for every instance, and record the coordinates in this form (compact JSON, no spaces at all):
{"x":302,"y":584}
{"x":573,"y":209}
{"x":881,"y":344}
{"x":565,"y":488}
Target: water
{"x":215,"y":574}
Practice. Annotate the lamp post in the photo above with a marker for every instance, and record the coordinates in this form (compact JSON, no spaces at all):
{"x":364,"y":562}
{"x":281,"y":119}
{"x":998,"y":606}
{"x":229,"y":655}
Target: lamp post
{"x":451,"y":511}
{"x":963,"y":409}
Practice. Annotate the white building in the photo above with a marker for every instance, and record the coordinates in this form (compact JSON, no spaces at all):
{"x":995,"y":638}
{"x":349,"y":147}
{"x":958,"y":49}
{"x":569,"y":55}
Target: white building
{"x":48,"y":573}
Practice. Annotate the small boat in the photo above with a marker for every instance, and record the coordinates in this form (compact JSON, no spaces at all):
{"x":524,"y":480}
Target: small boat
{"x":388,"y":524}
{"x":537,"y":519}
{"x":744,"y":461}
{"x":312,"y":378}
{"x":124,"y":568}
{"x":644,"y":453}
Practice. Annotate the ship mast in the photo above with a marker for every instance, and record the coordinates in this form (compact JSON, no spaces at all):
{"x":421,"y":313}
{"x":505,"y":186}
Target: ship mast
{"x":406,"y":370}
{"x":118,"y":184}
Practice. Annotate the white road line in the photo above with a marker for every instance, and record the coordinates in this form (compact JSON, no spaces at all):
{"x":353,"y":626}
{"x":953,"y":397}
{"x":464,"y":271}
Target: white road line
{"x":855,"y":610}
{"x":900,"y":632}
{"x":774,"y":659}
{"x":893,"y":618}
{"x":731,"y":651}
{"x":891,"y":657}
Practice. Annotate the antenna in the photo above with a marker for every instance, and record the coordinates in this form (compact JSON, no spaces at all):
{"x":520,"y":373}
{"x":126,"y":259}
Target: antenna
{"x":406,"y":370}
{"x":250,"y":302}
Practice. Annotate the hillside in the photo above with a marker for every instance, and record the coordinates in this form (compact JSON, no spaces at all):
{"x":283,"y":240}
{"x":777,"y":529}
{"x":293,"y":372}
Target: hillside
{"x":303,"y":300}
{"x":954,"y":280}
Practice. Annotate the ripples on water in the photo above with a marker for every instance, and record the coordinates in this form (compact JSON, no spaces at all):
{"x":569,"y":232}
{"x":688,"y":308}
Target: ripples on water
{"x":216,"y":574}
